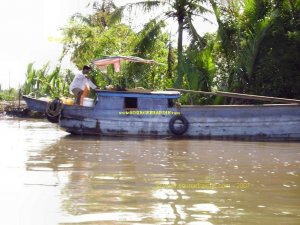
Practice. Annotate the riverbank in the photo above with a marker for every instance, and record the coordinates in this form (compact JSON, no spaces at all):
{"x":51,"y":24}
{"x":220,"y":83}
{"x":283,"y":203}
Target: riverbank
{"x":18,"y":109}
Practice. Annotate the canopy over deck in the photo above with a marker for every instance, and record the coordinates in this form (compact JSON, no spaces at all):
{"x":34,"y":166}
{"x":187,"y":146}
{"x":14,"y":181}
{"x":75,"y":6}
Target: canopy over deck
{"x":116,"y":61}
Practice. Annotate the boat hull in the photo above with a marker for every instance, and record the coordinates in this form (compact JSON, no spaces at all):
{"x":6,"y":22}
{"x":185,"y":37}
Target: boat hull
{"x":35,"y":104}
{"x":258,"y":122}
{"x":232,"y":121}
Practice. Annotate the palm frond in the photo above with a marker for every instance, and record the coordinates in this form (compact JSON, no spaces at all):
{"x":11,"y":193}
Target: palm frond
{"x":81,"y":18}
{"x":255,"y":10}
{"x":197,"y":9}
{"x":117,"y":14}
{"x":193,"y":32}
{"x":200,"y":69}
{"x":30,"y":74}
{"x":29,"y":69}
{"x":148,"y":36}
{"x":148,"y":5}
{"x":252,"y":47}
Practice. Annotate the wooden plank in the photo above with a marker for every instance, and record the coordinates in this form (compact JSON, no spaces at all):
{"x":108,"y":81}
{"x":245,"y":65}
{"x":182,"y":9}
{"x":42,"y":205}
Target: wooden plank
{"x":243,"y":96}
{"x":191,"y":91}
{"x":257,"y":97}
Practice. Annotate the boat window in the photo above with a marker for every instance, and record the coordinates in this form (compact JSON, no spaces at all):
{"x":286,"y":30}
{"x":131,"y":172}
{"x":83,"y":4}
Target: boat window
{"x":130,"y":102}
{"x":170,"y":103}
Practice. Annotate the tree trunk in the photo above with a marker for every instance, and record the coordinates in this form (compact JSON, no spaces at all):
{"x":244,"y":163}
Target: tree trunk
{"x":180,"y":71}
{"x":170,"y":61}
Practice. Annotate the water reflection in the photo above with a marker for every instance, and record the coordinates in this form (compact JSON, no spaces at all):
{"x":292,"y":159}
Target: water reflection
{"x":89,"y":180}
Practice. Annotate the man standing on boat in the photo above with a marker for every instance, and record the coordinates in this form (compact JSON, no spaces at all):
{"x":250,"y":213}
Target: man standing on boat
{"x":81,"y":85}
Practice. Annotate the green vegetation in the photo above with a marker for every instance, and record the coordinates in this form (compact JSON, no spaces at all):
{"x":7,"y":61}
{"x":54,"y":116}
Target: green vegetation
{"x":259,"y":46}
{"x":91,"y":37}
{"x":41,"y":82}
{"x":183,"y":11}
{"x":256,"y":49}
{"x":9,"y":95}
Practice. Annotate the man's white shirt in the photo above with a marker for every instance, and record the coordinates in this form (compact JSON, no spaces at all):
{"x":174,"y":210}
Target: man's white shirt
{"x":80,"y":81}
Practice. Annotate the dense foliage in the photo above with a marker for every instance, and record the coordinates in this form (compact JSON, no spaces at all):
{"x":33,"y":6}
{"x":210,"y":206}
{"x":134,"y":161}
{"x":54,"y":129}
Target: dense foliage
{"x":9,"y":95}
{"x":95,"y":36}
{"x":258,"y":46}
{"x":183,"y":12}
{"x":42,"y":82}
{"x":255,"y":50}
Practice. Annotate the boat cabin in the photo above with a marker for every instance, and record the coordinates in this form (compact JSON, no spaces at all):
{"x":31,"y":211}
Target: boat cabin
{"x":136,"y":100}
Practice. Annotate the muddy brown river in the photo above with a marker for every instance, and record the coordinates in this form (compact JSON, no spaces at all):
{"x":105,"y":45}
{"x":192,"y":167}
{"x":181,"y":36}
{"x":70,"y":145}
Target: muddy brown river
{"x":50,"y":177}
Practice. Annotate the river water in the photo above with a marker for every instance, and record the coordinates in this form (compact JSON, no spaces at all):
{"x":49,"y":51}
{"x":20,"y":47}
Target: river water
{"x":50,"y":177}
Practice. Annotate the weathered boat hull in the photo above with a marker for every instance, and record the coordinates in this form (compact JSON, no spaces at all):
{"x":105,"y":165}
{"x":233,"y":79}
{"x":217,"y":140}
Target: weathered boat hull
{"x":35,"y":104}
{"x":259,"y":122}
{"x":247,"y":121}
{"x":262,"y":121}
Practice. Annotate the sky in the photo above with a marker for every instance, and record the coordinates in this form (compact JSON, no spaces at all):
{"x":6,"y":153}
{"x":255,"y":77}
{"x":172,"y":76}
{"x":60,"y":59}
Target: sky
{"x":28,"y":30}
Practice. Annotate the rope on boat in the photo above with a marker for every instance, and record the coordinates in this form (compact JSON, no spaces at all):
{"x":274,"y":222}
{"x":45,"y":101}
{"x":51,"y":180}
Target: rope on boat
{"x":54,"y":108}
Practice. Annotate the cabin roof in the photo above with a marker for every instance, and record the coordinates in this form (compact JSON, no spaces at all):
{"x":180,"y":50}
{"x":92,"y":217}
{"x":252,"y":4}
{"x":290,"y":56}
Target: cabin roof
{"x":139,"y":94}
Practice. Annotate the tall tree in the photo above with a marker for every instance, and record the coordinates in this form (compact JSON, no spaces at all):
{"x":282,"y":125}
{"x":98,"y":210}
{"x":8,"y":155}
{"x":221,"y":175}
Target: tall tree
{"x":260,"y":45}
{"x":183,"y":11}
{"x":96,"y":35}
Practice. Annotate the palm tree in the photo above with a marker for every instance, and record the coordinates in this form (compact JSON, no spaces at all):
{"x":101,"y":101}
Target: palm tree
{"x":242,"y":34}
{"x":183,"y":11}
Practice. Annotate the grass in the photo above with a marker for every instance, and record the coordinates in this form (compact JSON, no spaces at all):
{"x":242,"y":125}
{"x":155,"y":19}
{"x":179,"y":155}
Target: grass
{"x":8,"y":95}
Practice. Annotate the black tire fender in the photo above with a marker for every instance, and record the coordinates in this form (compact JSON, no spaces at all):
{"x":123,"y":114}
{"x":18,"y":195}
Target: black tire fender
{"x":175,"y":130}
{"x":54,"y":110}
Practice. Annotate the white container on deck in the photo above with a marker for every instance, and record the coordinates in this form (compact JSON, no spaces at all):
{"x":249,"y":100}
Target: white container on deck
{"x":88,"y":102}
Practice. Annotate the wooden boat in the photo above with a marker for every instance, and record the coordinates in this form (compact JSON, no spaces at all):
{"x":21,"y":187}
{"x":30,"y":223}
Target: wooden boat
{"x":38,"y":105}
{"x":155,"y":113}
